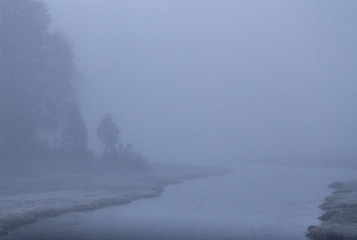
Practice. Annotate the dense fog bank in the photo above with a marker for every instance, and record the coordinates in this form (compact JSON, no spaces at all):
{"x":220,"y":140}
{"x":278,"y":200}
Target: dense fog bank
{"x":214,"y":83}
{"x":206,"y":81}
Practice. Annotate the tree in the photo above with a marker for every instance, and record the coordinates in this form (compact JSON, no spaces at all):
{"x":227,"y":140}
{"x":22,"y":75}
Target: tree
{"x":74,"y":135}
{"x":121,"y":154}
{"x":21,"y":56}
{"x":129,"y":158}
{"x":108,"y":133}
{"x":36,"y":75}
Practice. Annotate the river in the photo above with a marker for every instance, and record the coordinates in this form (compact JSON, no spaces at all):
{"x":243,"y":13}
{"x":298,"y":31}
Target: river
{"x":254,"y":202}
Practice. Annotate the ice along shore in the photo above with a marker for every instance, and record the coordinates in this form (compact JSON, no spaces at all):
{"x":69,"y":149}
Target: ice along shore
{"x":339,"y":220}
{"x":26,"y":199}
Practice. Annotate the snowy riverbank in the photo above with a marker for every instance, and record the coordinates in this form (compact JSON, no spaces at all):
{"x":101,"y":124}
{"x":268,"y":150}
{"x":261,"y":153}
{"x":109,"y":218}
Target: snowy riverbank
{"x":339,"y":221}
{"x":255,"y":202}
{"x":24,"y":200}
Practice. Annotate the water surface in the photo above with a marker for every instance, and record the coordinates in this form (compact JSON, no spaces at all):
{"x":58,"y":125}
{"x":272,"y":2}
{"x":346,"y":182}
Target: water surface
{"x":255,"y":202}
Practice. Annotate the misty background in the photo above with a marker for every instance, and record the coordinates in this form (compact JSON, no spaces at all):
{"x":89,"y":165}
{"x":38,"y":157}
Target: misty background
{"x":211,"y":81}
{"x":99,"y":101}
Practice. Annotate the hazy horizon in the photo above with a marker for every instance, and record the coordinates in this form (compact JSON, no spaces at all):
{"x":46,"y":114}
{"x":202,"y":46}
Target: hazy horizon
{"x":207,"y":81}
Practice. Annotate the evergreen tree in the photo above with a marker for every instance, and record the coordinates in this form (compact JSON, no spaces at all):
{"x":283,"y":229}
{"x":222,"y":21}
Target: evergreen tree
{"x":36,"y":74}
{"x":74,"y":135}
{"x":108,"y":133}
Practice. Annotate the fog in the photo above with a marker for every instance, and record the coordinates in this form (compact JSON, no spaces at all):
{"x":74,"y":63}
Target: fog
{"x":106,"y":102}
{"x":213,"y":81}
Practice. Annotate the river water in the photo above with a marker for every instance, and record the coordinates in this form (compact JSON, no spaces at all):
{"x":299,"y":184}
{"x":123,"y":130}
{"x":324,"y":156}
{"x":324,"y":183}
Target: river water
{"x":254,"y":202}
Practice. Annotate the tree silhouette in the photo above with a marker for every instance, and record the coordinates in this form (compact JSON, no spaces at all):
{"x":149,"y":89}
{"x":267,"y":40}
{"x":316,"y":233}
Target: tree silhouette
{"x":74,"y":135}
{"x":108,"y":133}
{"x":36,"y":75}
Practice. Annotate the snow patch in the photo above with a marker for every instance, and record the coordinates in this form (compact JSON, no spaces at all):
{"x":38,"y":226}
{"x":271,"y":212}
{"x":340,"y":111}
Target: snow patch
{"x":87,"y":193}
{"x":23,"y":209}
{"x":339,"y":220}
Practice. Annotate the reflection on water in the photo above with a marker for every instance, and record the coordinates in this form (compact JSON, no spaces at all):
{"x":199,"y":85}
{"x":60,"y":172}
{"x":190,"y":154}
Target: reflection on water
{"x":253,"y":203}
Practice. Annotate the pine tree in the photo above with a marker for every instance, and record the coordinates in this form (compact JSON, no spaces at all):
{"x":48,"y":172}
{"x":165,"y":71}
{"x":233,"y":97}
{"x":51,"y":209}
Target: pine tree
{"x":74,"y":135}
{"x":36,"y":75}
{"x":108,"y":133}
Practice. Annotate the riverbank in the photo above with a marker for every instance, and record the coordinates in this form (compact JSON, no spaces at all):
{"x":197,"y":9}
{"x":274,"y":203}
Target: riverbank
{"x":26,"y":198}
{"x":255,"y":202}
{"x":339,"y":221}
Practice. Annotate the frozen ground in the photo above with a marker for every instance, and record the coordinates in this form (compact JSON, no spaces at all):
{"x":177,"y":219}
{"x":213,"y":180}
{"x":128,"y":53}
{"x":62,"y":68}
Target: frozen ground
{"x":27,"y":196}
{"x":255,"y":202}
{"x":339,"y":220}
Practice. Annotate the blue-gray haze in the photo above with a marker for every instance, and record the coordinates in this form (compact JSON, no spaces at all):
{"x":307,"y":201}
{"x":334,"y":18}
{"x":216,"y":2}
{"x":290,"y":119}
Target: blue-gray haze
{"x":208,"y":80}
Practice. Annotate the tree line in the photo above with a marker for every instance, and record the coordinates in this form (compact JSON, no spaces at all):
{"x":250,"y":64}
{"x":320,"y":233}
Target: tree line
{"x":39,"y":111}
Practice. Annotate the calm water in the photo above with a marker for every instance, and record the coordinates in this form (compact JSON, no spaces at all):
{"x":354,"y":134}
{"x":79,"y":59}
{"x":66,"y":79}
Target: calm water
{"x":255,"y":202}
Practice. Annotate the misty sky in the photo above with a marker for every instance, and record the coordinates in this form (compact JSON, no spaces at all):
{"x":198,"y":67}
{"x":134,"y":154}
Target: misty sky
{"x":204,"y":80}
